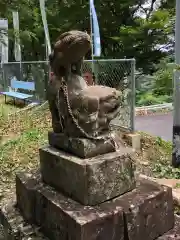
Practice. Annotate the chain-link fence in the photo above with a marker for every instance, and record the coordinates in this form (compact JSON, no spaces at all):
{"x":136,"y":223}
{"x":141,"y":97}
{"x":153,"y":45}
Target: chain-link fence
{"x":26,"y":71}
{"x":119,"y":74}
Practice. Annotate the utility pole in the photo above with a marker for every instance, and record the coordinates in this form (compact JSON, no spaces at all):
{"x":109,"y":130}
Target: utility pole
{"x":176,"y":117}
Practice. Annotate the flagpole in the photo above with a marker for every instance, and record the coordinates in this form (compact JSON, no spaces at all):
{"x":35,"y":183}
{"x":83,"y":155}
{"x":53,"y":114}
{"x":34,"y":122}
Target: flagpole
{"x":17,"y":46}
{"x":43,"y":14}
{"x":47,"y":37}
{"x":92,"y":35}
{"x":46,"y":49}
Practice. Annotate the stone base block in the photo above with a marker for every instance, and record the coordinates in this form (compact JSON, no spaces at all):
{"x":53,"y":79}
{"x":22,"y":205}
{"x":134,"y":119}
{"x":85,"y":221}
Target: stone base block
{"x":61,"y":218}
{"x":13,"y":226}
{"x":81,"y":147}
{"x":90,"y":181}
{"x":144,"y":213}
{"x":149,"y":211}
{"x":173,"y":234}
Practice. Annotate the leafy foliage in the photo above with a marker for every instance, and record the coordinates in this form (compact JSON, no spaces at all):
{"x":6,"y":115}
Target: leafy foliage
{"x":161,"y":88}
{"x":124,"y":32}
{"x":149,"y":98}
{"x":146,"y":38}
{"x":129,"y":29}
{"x":163,"y":84}
{"x":157,"y":154}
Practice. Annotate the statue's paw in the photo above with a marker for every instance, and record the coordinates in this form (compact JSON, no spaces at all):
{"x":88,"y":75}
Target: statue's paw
{"x":85,"y":117}
{"x":112,"y":115}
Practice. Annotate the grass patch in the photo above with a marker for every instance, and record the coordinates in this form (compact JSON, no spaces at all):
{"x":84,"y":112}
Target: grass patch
{"x":21,"y":152}
{"x":5,"y":110}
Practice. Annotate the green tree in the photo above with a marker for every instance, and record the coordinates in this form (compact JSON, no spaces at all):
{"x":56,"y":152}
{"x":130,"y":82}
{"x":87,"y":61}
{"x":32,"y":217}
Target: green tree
{"x":123,"y":32}
{"x":163,"y":84}
{"x":145,"y":39}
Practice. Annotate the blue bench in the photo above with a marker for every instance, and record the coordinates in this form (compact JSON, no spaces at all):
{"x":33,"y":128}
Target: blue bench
{"x":15,"y":84}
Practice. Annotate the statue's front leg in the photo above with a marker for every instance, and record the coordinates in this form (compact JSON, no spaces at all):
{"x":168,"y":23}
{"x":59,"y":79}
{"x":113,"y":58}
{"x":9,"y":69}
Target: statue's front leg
{"x":57,"y":128}
{"x":52,"y":100}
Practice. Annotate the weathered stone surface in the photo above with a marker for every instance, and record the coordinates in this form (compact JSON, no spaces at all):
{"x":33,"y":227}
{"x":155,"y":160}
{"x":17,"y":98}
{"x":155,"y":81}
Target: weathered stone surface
{"x":144,"y":213}
{"x":148,"y":211}
{"x":13,"y":226}
{"x":172,"y":183}
{"x":81,"y":147}
{"x":90,"y":181}
{"x":61,"y":218}
{"x":173,"y":234}
{"x":25,"y":195}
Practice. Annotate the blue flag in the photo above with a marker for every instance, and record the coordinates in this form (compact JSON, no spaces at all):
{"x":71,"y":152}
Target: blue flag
{"x":95,"y":30}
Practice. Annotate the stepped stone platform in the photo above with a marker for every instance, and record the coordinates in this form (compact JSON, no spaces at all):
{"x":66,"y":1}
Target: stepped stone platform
{"x":51,"y":206}
{"x":134,"y":215}
{"x":13,"y":226}
{"x":173,"y":234}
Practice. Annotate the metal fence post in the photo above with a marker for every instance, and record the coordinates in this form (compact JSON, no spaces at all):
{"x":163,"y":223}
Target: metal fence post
{"x":96,"y":71}
{"x":133,"y":95}
{"x":46,"y":79}
{"x":4,"y":81}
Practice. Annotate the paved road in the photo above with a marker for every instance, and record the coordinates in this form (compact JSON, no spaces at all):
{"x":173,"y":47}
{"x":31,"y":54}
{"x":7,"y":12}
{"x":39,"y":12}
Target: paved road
{"x":156,"y":125}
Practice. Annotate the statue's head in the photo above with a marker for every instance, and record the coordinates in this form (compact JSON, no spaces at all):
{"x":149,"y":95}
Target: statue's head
{"x":69,"y":48}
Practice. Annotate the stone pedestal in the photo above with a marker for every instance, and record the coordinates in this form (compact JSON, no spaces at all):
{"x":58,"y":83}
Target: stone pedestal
{"x":133,"y":216}
{"x":13,"y":225}
{"x":90,"y":181}
{"x":62,"y":218}
{"x":87,"y":199}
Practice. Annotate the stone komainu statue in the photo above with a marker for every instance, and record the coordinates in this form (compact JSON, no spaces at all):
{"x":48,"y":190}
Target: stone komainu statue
{"x":78,"y":110}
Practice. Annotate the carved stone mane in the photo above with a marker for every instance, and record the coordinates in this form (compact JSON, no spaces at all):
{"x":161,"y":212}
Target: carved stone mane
{"x":69,"y":49}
